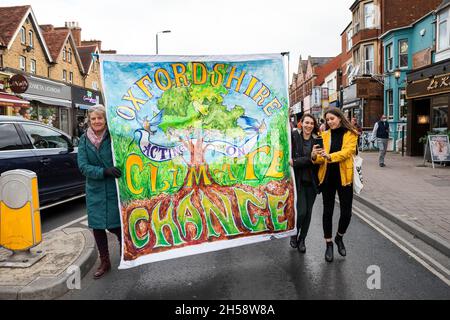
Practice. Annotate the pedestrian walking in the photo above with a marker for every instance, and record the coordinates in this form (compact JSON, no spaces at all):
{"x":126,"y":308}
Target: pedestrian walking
{"x":96,"y":164}
{"x":306,"y":179}
{"x":381,"y":134}
{"x":336,"y":175}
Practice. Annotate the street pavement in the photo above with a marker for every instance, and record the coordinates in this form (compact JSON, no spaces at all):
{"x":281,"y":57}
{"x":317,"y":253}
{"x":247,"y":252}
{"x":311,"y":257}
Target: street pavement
{"x":273,"y":270}
{"x":410,"y":192}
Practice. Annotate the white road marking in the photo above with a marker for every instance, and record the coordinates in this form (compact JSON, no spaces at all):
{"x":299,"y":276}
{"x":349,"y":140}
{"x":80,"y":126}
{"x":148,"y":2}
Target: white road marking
{"x":442,"y":274}
{"x":70,"y":223}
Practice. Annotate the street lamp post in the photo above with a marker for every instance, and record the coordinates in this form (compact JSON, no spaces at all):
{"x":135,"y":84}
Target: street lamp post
{"x":165,"y":31}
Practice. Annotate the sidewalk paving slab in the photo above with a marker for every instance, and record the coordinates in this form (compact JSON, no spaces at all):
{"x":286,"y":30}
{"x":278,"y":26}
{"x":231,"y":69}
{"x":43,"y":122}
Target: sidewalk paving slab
{"x":415,"y":197}
{"x":47,"y":279}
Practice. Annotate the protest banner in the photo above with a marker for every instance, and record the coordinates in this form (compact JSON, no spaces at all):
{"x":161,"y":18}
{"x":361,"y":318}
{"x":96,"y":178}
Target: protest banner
{"x":204,"y":146}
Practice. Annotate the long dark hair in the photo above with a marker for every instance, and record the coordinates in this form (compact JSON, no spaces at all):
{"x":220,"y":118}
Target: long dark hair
{"x":316,"y":126}
{"x":344,"y":121}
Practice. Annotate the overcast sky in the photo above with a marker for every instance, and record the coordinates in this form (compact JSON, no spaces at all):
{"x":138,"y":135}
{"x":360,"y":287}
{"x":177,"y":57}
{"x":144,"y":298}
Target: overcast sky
{"x":306,"y":27}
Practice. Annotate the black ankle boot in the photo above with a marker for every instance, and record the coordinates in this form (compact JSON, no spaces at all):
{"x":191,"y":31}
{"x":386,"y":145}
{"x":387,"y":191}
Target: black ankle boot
{"x":293,"y":242}
{"x":329,"y":252}
{"x":340,"y":245}
{"x":301,"y":246}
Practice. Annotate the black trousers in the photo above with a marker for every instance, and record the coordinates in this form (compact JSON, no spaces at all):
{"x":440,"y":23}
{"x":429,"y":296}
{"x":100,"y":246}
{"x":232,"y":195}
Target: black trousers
{"x":102,"y":240}
{"x":305,"y":202}
{"x":345,"y":199}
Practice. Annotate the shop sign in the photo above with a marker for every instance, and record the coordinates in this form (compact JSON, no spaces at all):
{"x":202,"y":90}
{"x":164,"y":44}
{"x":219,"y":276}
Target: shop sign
{"x":422,"y":58}
{"x":48,"y":88}
{"x":426,"y":87}
{"x":316,"y":96}
{"x":90,"y":98}
{"x":18,"y":83}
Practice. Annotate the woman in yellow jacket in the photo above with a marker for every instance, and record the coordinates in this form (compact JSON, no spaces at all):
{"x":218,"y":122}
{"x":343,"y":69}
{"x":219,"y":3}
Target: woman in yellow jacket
{"x":336,"y":175}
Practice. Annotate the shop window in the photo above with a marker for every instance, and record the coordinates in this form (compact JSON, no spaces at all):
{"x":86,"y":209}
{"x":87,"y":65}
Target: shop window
{"x":45,"y":138}
{"x":390,"y":104}
{"x":9,"y":138}
{"x":389,"y":58}
{"x":22,"y":63}
{"x":403,"y":53}
{"x":23,"y":36}
{"x":440,"y":117}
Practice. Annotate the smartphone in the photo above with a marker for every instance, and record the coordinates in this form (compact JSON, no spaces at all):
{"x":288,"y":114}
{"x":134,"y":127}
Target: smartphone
{"x":319,"y":141}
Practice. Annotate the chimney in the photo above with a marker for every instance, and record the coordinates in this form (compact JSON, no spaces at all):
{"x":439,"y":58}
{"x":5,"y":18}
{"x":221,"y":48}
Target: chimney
{"x":76,"y":32}
{"x":92,"y":42}
{"x":47,"y":27}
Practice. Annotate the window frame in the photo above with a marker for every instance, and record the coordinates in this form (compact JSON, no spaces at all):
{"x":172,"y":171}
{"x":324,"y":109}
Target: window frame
{"x":390,"y":58}
{"x":32,"y":66}
{"x":23,"y":36}
{"x":400,"y":106}
{"x":69,"y":55}
{"x":349,"y":39}
{"x":31,"y":38}
{"x":372,"y":15}
{"x":64,"y":76}
{"x":390,"y":104}
{"x":366,"y":60}
{"x":446,"y":39}
{"x":22,"y":66}
{"x":64,"y":54}
{"x":403,"y":54}
{"x":70,"y":77}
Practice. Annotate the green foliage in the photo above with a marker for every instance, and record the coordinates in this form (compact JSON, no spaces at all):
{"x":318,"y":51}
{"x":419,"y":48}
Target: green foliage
{"x":198,"y":106}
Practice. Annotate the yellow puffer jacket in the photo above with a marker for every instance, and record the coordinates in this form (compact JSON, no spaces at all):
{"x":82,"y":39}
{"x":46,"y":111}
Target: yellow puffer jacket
{"x":344,"y":157}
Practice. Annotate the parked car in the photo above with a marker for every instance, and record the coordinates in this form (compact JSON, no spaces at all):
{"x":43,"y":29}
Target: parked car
{"x":49,"y":152}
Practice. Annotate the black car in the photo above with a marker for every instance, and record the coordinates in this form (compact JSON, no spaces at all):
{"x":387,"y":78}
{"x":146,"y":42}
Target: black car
{"x":49,"y":152}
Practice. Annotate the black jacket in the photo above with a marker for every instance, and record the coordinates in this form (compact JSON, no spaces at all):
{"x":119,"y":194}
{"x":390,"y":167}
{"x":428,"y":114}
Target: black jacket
{"x":304,"y":169}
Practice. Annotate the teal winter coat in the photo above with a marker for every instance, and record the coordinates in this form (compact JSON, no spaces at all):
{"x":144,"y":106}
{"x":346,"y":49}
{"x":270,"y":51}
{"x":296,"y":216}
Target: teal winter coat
{"x":101,"y":194}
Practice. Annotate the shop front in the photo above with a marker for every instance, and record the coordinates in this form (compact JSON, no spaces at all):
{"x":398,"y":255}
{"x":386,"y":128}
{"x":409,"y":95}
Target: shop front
{"x":82,"y":99}
{"x":10,"y":104}
{"x":51,"y":103}
{"x":351,"y":103}
{"x":428,"y":94}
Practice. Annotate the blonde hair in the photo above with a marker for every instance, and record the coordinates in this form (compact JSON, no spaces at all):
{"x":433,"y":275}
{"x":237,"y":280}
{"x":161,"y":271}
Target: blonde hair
{"x":98,"y":108}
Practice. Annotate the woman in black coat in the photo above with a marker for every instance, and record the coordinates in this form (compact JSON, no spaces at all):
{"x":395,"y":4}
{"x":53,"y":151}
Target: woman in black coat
{"x":305,"y":177}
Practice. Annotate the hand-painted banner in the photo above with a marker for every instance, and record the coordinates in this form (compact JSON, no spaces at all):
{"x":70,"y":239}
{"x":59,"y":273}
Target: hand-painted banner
{"x":203,"y":142}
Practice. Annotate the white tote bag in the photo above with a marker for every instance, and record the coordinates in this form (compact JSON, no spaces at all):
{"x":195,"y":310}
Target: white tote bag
{"x":357,"y":174}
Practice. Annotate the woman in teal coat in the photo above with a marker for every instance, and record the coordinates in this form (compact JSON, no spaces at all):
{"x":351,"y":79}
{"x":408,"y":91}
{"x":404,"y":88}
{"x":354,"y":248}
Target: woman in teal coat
{"x":96,"y":164}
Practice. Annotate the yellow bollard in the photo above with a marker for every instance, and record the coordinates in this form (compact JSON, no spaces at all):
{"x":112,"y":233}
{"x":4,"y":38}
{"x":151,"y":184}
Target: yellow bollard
{"x":20,"y":219}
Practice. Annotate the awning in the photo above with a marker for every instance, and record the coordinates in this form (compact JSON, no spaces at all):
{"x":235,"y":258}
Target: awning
{"x":9,"y":100}
{"x":48,"y":100}
{"x":353,"y":104}
{"x":82,"y":106}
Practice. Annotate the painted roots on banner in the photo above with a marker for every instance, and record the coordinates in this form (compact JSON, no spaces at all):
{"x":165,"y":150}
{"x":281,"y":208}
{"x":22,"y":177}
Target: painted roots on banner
{"x":204,"y":146}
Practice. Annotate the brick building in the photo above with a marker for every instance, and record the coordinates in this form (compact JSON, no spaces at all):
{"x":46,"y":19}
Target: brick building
{"x":301,"y":89}
{"x":62,"y":74}
{"x":370,"y":19}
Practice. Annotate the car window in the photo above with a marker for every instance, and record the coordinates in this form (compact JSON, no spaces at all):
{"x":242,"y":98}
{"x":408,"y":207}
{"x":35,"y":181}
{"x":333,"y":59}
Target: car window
{"x":45,"y":138}
{"x":9,"y":137}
